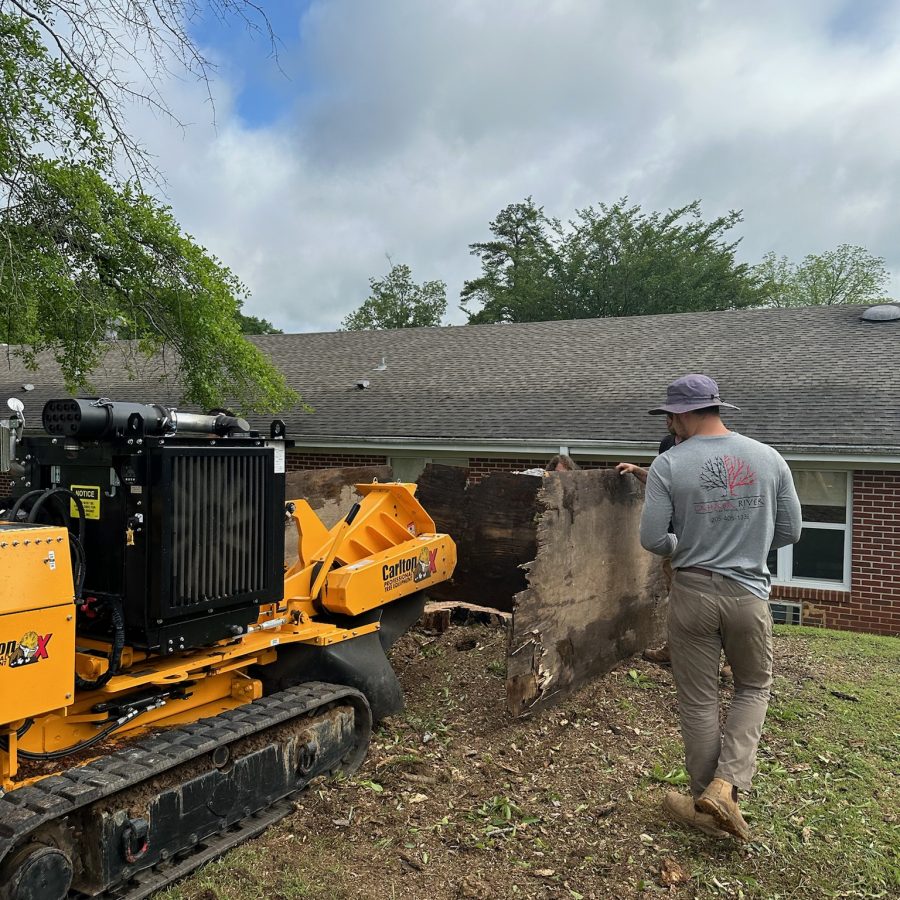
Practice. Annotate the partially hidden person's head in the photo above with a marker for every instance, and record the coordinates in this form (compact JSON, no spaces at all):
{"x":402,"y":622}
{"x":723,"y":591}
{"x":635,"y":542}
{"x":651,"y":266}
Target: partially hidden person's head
{"x":561,"y":463}
{"x":691,"y":401}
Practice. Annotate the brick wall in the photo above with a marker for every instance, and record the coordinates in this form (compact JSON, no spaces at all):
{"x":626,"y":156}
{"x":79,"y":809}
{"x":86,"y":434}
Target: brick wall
{"x":5,"y":486}
{"x":296,"y":460}
{"x":873,"y":602}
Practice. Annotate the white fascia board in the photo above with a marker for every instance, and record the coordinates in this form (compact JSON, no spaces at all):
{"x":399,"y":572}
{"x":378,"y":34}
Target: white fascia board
{"x":880,"y":461}
{"x":837,"y":457}
{"x":513,"y":447}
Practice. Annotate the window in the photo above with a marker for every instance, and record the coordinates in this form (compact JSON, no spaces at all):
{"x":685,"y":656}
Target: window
{"x":821,"y":558}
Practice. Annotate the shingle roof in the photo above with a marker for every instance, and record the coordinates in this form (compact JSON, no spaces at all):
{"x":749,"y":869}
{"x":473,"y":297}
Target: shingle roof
{"x":814,"y":377}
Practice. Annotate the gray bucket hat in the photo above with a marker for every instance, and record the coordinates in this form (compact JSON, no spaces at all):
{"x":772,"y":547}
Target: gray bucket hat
{"x":691,"y":392}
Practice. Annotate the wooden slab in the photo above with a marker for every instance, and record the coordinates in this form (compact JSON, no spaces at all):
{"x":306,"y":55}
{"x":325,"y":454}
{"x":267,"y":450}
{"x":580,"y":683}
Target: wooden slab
{"x":594,"y":596}
{"x":493,"y":524}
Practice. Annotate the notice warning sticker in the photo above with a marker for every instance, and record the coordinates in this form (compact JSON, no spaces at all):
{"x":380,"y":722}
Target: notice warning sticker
{"x":89,"y":495}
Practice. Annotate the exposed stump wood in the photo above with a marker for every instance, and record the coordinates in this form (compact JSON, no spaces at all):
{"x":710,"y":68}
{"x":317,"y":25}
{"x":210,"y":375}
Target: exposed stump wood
{"x":594,"y":595}
{"x":494,"y":526}
{"x":560,"y":554}
{"x":439,"y":616}
{"x":436,"y":620}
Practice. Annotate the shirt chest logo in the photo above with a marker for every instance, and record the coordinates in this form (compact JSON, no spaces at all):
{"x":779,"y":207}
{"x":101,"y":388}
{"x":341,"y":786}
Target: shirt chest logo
{"x":723,"y":478}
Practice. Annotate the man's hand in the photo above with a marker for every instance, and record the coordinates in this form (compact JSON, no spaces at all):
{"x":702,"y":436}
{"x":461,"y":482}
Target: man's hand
{"x":632,"y":469}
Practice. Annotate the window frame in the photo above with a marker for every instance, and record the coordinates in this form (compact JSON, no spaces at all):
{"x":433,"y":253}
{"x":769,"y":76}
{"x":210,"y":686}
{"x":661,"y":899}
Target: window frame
{"x":786,"y":554}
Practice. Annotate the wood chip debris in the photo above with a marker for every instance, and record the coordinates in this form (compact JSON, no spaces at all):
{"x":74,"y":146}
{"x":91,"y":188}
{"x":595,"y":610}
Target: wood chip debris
{"x":673,"y":873}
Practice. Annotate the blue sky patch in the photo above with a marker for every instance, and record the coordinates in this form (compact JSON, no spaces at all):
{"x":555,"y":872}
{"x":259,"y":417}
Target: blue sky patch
{"x":859,"y":22}
{"x":266,"y":87}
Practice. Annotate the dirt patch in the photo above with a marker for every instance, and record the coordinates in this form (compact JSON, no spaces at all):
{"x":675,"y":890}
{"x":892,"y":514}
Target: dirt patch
{"x":457,"y":800}
{"x":483,"y":806}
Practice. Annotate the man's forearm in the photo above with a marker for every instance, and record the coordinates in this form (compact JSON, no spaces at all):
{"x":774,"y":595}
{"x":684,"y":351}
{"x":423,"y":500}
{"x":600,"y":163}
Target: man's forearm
{"x":655,"y":534}
{"x":656,"y":516}
{"x":639,"y":472}
{"x":788,"y":515}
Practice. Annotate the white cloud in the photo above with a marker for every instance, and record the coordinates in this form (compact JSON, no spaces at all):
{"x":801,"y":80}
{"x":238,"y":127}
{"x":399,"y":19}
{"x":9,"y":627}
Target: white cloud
{"x":417,"y":122}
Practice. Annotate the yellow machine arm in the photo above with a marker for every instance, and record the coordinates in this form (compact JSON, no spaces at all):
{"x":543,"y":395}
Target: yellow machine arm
{"x":384,"y":549}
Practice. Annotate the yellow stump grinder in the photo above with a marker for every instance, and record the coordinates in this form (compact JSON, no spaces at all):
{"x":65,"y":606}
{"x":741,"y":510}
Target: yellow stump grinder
{"x":166,"y":683}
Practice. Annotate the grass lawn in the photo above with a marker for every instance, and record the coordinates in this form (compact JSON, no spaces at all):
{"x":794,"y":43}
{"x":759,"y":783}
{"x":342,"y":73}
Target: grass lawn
{"x":826,"y":805}
{"x":457,"y":801}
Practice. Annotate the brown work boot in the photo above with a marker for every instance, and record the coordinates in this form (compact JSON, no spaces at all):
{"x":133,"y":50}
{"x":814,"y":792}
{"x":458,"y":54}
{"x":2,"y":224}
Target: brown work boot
{"x":720,"y":801}
{"x":681,"y":809}
{"x":660,"y":656}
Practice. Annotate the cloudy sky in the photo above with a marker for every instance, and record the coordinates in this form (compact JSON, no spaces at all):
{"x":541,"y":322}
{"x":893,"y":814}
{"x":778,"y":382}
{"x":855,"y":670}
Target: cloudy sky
{"x":403,"y":127}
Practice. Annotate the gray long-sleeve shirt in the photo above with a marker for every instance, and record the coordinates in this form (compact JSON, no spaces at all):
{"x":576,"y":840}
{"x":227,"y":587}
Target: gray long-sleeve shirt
{"x":731,"y":499}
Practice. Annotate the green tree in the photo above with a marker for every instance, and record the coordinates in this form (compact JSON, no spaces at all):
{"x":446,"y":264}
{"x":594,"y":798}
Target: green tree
{"x":774,"y":275}
{"x":80,"y":248}
{"x":123,"y":52}
{"x":622,"y":261}
{"x":396,"y":301}
{"x":610,"y":260}
{"x":519,"y":269}
{"x":255,"y":325}
{"x":847,"y":274}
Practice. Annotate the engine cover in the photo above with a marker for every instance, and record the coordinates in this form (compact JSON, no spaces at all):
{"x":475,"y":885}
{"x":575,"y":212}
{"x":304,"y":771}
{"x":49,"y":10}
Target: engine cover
{"x":37,"y":621}
{"x":185,"y":532}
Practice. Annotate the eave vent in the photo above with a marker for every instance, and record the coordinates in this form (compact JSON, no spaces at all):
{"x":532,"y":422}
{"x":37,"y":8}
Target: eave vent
{"x":886,"y":312}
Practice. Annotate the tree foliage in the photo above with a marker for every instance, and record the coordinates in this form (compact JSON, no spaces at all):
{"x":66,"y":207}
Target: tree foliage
{"x":520,"y":277}
{"x":256,"y":325}
{"x":122,"y":52}
{"x":847,"y":274}
{"x":610,"y":260}
{"x":81,"y":248}
{"x":396,"y":301}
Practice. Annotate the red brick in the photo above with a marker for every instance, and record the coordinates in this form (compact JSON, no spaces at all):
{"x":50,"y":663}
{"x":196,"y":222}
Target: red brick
{"x":873,"y":602}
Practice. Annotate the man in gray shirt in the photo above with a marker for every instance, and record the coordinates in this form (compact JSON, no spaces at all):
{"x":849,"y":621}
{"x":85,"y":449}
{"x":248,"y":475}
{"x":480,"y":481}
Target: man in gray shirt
{"x":730,"y":500}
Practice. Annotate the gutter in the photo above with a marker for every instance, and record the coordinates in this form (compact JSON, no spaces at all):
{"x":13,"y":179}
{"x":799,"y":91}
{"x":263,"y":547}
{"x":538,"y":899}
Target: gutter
{"x":845,"y":456}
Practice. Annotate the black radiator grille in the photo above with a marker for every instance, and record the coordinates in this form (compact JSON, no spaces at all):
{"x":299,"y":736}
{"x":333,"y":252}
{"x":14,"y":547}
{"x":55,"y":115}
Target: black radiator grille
{"x":219,"y":527}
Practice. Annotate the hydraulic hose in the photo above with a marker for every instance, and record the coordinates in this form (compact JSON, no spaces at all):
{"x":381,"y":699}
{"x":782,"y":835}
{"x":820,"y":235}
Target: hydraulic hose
{"x":84,"y":745}
{"x":13,"y":512}
{"x":56,"y":493}
{"x":115,"y":656}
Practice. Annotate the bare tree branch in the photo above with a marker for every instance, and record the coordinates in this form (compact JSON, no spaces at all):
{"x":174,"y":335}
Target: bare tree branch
{"x":102,"y":39}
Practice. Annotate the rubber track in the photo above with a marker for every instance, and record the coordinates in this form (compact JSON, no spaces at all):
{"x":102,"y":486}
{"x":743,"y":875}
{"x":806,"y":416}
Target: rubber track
{"x":148,"y":881}
{"x":26,"y":809}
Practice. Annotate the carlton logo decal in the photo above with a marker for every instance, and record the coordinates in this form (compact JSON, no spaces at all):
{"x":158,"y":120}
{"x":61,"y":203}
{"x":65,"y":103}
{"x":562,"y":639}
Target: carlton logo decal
{"x":29,"y":649}
{"x":412,"y":568}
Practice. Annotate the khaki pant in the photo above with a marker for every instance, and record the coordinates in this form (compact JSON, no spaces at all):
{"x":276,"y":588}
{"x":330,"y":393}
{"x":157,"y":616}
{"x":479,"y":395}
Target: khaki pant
{"x":709,"y":613}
